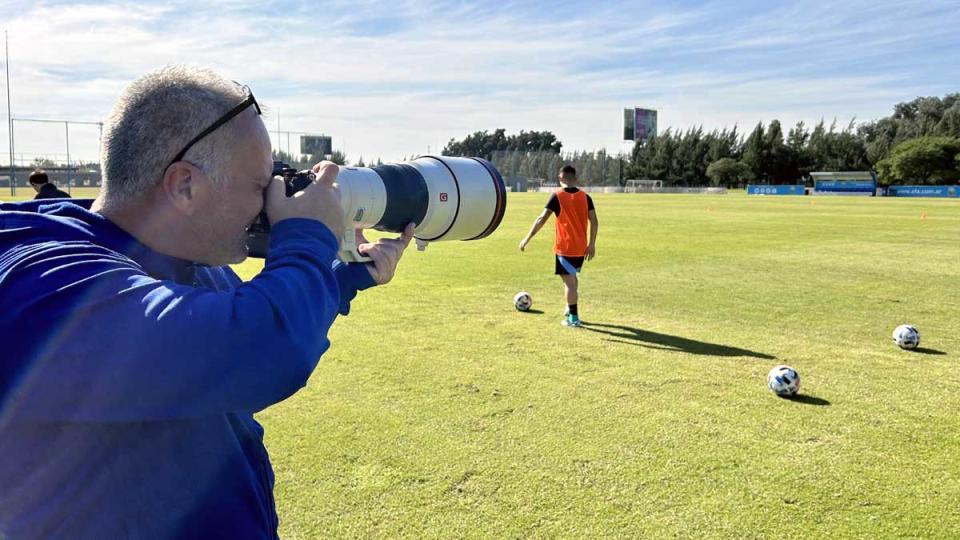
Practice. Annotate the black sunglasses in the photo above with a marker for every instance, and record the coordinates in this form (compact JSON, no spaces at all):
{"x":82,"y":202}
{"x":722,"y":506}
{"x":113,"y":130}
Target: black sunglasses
{"x":250,"y":100}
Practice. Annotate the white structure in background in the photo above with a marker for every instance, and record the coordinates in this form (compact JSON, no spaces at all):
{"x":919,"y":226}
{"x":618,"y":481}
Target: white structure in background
{"x":862,"y":183}
{"x":643,"y":186}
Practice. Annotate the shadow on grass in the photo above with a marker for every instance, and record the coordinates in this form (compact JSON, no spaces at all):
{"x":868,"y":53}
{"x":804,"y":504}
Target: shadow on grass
{"x":808,"y":400}
{"x":533,"y":311}
{"x":924,"y":350}
{"x":666,"y":342}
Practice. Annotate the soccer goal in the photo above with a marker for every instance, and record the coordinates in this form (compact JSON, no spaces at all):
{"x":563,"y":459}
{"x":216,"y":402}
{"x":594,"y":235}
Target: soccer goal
{"x":642,"y":186}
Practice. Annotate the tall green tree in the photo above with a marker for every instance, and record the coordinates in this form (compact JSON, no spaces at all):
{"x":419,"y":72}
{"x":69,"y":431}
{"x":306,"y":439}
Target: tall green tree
{"x":484,"y":144}
{"x":728,"y":172}
{"x":756,"y":153}
{"x":924,"y":116}
{"x":337,"y":157}
{"x":798,"y":144}
{"x":783,"y":162}
{"x":932,"y":160}
{"x":661,"y":164}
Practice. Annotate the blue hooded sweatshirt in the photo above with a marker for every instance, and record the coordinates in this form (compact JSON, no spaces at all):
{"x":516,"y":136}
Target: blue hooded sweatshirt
{"x":129,"y":379}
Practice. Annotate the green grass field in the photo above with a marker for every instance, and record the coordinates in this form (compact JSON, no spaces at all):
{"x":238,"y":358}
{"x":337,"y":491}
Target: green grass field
{"x":441,"y":412}
{"x":26,"y":193}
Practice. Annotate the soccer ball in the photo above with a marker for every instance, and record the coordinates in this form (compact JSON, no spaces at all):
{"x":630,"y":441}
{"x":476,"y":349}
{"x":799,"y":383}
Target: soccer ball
{"x":906,"y":337}
{"x":784,"y":381}
{"x":522,"y":301}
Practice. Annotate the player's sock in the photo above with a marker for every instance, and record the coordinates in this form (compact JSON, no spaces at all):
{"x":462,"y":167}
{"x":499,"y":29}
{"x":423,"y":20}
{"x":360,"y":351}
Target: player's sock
{"x":572,"y":310}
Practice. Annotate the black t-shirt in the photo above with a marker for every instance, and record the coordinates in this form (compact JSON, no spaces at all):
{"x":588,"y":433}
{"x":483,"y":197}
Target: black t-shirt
{"x":50,"y":191}
{"x":554,"y":203}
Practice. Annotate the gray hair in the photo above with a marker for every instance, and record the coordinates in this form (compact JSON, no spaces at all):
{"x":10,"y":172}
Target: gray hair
{"x":154,"y":118}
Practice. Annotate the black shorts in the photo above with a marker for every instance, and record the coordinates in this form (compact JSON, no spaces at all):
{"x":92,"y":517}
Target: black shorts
{"x":559,"y":270}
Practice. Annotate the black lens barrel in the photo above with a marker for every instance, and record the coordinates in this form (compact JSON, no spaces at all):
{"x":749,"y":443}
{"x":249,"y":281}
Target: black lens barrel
{"x":407,"y":197}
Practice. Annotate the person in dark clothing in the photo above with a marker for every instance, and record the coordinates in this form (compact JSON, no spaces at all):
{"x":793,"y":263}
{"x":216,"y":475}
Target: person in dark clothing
{"x":44,"y":188}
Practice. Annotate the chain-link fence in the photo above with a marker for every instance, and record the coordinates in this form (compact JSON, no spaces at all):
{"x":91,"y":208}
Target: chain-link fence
{"x":68,"y":150}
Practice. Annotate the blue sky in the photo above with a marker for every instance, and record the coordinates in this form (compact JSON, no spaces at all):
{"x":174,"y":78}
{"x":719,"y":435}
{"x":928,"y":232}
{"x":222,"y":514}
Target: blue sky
{"x":395,"y":79}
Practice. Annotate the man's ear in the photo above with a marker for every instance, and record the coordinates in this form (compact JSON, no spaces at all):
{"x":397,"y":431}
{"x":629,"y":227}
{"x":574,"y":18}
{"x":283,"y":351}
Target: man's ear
{"x":181,"y":184}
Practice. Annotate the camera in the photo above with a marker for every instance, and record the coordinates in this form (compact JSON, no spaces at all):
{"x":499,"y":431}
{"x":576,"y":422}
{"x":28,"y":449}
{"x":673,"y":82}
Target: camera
{"x":447,"y":198}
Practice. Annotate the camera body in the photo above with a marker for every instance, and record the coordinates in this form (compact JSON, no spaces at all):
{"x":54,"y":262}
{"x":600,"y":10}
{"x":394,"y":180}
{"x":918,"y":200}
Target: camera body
{"x":447,"y":198}
{"x":258,"y":233}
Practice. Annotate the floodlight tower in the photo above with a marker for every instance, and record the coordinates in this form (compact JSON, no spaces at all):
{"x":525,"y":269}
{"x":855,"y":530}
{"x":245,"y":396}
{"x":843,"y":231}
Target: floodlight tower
{"x":6,"y":42}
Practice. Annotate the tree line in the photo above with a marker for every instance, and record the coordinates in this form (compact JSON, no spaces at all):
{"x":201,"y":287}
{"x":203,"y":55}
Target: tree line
{"x":536,"y":155}
{"x":918,"y":143}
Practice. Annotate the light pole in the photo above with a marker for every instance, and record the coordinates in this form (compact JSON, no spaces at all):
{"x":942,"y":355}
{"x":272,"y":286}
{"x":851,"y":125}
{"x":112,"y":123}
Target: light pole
{"x":6,"y":42}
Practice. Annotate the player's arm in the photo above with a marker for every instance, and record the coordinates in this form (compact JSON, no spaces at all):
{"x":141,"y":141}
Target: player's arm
{"x":594,"y":224}
{"x":537,"y":225}
{"x":552,"y":207}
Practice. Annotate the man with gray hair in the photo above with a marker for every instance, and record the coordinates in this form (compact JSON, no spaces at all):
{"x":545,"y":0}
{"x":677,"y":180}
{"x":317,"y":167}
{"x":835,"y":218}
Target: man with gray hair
{"x":134,"y":358}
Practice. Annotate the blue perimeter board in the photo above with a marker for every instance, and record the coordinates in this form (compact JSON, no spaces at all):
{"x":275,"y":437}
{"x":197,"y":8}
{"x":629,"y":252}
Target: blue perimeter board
{"x":847,"y":186}
{"x":788,"y":189}
{"x":925,"y":191}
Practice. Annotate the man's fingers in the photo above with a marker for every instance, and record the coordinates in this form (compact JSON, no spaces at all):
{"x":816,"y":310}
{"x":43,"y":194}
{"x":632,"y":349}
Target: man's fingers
{"x":361,"y":239}
{"x":407,"y":234}
{"x":376,"y":255}
{"x":385,"y":254}
{"x":276,"y":190}
{"x":326,"y":172}
{"x":391,"y":247}
{"x":397,"y":244}
{"x":383,"y":265}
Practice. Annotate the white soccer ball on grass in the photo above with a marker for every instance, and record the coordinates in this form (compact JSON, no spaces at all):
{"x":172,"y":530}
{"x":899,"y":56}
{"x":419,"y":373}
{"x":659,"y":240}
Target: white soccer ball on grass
{"x":522,"y":301}
{"x":784,"y":381}
{"x":906,"y":336}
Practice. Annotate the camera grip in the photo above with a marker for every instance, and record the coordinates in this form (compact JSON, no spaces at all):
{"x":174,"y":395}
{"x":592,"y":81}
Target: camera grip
{"x":348,"y":248}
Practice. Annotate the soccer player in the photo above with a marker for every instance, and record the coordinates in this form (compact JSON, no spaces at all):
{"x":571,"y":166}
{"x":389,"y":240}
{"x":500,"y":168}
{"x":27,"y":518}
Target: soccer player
{"x":573,"y":209}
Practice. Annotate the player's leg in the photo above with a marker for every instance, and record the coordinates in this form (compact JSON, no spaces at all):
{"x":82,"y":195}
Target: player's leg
{"x":567,"y":268}
{"x":570,"y":284}
{"x":570,"y":316}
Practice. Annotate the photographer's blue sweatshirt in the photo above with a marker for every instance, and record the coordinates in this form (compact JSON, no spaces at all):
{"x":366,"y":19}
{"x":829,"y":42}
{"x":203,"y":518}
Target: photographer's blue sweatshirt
{"x":129,"y":379}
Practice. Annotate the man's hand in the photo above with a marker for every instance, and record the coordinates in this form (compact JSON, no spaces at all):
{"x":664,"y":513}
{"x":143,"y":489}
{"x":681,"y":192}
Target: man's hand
{"x":318,"y":201}
{"x":524,"y":242}
{"x":385,"y":253}
{"x":591,"y":251}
